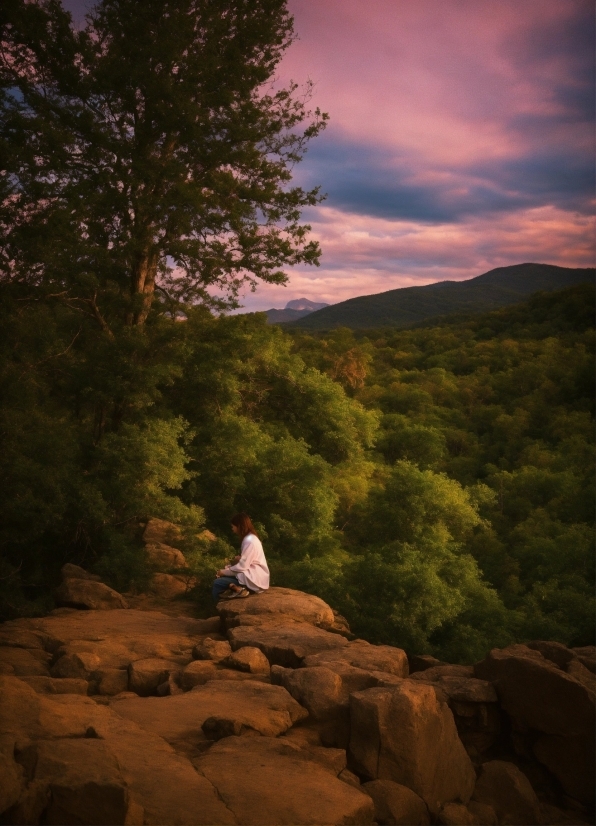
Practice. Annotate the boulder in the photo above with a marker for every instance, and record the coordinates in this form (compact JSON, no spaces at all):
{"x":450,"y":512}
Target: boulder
{"x":70,"y":571}
{"x":285,"y":645}
{"x":405,"y":734}
{"x":77,"y":666}
{"x":163,"y":556}
{"x":396,"y":804}
{"x":13,"y":636}
{"x":85,"y":783}
{"x":210,"y":649}
{"x":318,"y":689}
{"x":158,"y":531}
{"x":349,"y":777}
{"x":267,"y":781}
{"x":467,"y":689}
{"x":555,"y":652}
{"x":112,"y":681}
{"x":145,"y":675}
{"x":571,"y":760}
{"x":231,"y":675}
{"x":485,"y":815}
{"x":19,"y":707}
{"x":536,"y":693}
{"x":12,"y":780}
{"x":51,"y":685}
{"x":170,"y":687}
{"x":248,"y":659}
{"x":587,"y":656}
{"x":340,"y":626}
{"x":197,"y":672}
{"x":504,"y":787}
{"x":361,"y":654}
{"x":352,"y":678}
{"x":438,"y":671}
{"x":154,"y":773}
{"x":579,"y":672}
{"x":421,"y":662}
{"x":279,"y":604}
{"x":456,"y":814}
{"x":23,"y":662}
{"x":479,"y":725}
{"x":85,"y":593}
{"x":257,"y":707}
{"x":168,"y":586}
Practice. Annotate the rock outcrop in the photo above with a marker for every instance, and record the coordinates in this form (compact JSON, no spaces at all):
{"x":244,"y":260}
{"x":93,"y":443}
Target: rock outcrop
{"x":272,"y":713}
{"x":81,"y":590}
{"x":171,"y":575}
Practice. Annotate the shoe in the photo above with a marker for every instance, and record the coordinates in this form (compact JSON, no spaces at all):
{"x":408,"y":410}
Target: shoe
{"x":240,"y":594}
{"x":227,"y":594}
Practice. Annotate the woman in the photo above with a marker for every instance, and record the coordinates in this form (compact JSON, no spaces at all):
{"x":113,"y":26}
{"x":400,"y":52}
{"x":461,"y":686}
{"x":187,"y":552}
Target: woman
{"x":249,"y":572}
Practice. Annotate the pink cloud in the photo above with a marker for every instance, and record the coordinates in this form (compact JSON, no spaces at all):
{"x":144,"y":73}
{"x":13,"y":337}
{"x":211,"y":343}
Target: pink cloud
{"x":364,"y":255}
{"x":437,"y":79}
{"x":458,"y":141}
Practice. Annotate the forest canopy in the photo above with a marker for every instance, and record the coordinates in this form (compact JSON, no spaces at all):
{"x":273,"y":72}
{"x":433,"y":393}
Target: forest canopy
{"x":440,"y":496}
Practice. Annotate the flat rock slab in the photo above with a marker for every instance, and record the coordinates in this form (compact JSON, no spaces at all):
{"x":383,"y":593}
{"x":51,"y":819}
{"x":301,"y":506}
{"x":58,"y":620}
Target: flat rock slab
{"x":24,"y":662}
{"x":266,"y":781}
{"x":51,"y":685}
{"x":105,"y":625}
{"x":277,"y":603}
{"x":286,"y":645}
{"x":159,"y":780}
{"x":256,"y":707}
{"x":361,"y":654}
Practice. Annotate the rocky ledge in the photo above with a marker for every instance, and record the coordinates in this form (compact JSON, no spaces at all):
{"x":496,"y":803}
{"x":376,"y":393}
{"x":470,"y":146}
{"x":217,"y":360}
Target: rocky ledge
{"x":272,"y":713}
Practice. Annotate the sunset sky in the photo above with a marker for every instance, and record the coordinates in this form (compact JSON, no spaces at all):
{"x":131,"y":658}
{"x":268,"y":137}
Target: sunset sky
{"x":461,"y":138}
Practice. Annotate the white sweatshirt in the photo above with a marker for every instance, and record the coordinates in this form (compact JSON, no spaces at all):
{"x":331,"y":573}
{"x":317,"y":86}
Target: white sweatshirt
{"x":252,"y":570}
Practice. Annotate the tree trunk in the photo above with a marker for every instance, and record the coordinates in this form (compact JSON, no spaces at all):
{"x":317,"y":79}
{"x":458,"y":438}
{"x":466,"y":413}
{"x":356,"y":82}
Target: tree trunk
{"x":143,"y":287}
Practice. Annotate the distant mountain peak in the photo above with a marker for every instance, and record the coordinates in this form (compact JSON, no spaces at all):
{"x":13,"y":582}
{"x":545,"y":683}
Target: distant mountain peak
{"x":305,"y":304}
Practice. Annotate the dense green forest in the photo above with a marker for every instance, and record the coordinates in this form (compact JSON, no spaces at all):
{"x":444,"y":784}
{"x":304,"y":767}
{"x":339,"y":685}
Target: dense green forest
{"x":435,"y":484}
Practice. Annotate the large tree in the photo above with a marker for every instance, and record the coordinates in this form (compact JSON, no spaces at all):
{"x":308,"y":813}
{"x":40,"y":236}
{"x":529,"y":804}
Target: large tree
{"x":150,"y":149}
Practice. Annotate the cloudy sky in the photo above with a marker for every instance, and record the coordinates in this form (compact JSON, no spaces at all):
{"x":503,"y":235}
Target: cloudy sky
{"x":461,"y":138}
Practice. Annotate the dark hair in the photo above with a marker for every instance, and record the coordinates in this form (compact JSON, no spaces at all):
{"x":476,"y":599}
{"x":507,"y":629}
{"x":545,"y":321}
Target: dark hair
{"x":244,"y":525}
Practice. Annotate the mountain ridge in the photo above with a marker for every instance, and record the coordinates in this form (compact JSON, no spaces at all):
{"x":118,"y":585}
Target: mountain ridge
{"x":409,"y":305}
{"x":294,"y":310}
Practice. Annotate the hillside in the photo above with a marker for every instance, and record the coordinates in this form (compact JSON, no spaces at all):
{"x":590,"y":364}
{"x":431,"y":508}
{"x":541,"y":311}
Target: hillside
{"x":409,"y":305}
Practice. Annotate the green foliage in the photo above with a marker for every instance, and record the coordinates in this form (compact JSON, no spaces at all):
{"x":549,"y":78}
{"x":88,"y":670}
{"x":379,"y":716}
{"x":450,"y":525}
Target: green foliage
{"x":165,"y":164}
{"x":443,"y":502}
{"x":272,"y":436}
{"x":487,"y":435}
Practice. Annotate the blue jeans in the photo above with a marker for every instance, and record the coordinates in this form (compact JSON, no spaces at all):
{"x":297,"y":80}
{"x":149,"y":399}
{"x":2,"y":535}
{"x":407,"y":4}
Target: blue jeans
{"x":221,"y":584}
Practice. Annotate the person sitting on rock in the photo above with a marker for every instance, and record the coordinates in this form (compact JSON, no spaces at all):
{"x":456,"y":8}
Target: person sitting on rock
{"x":248,"y":572}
